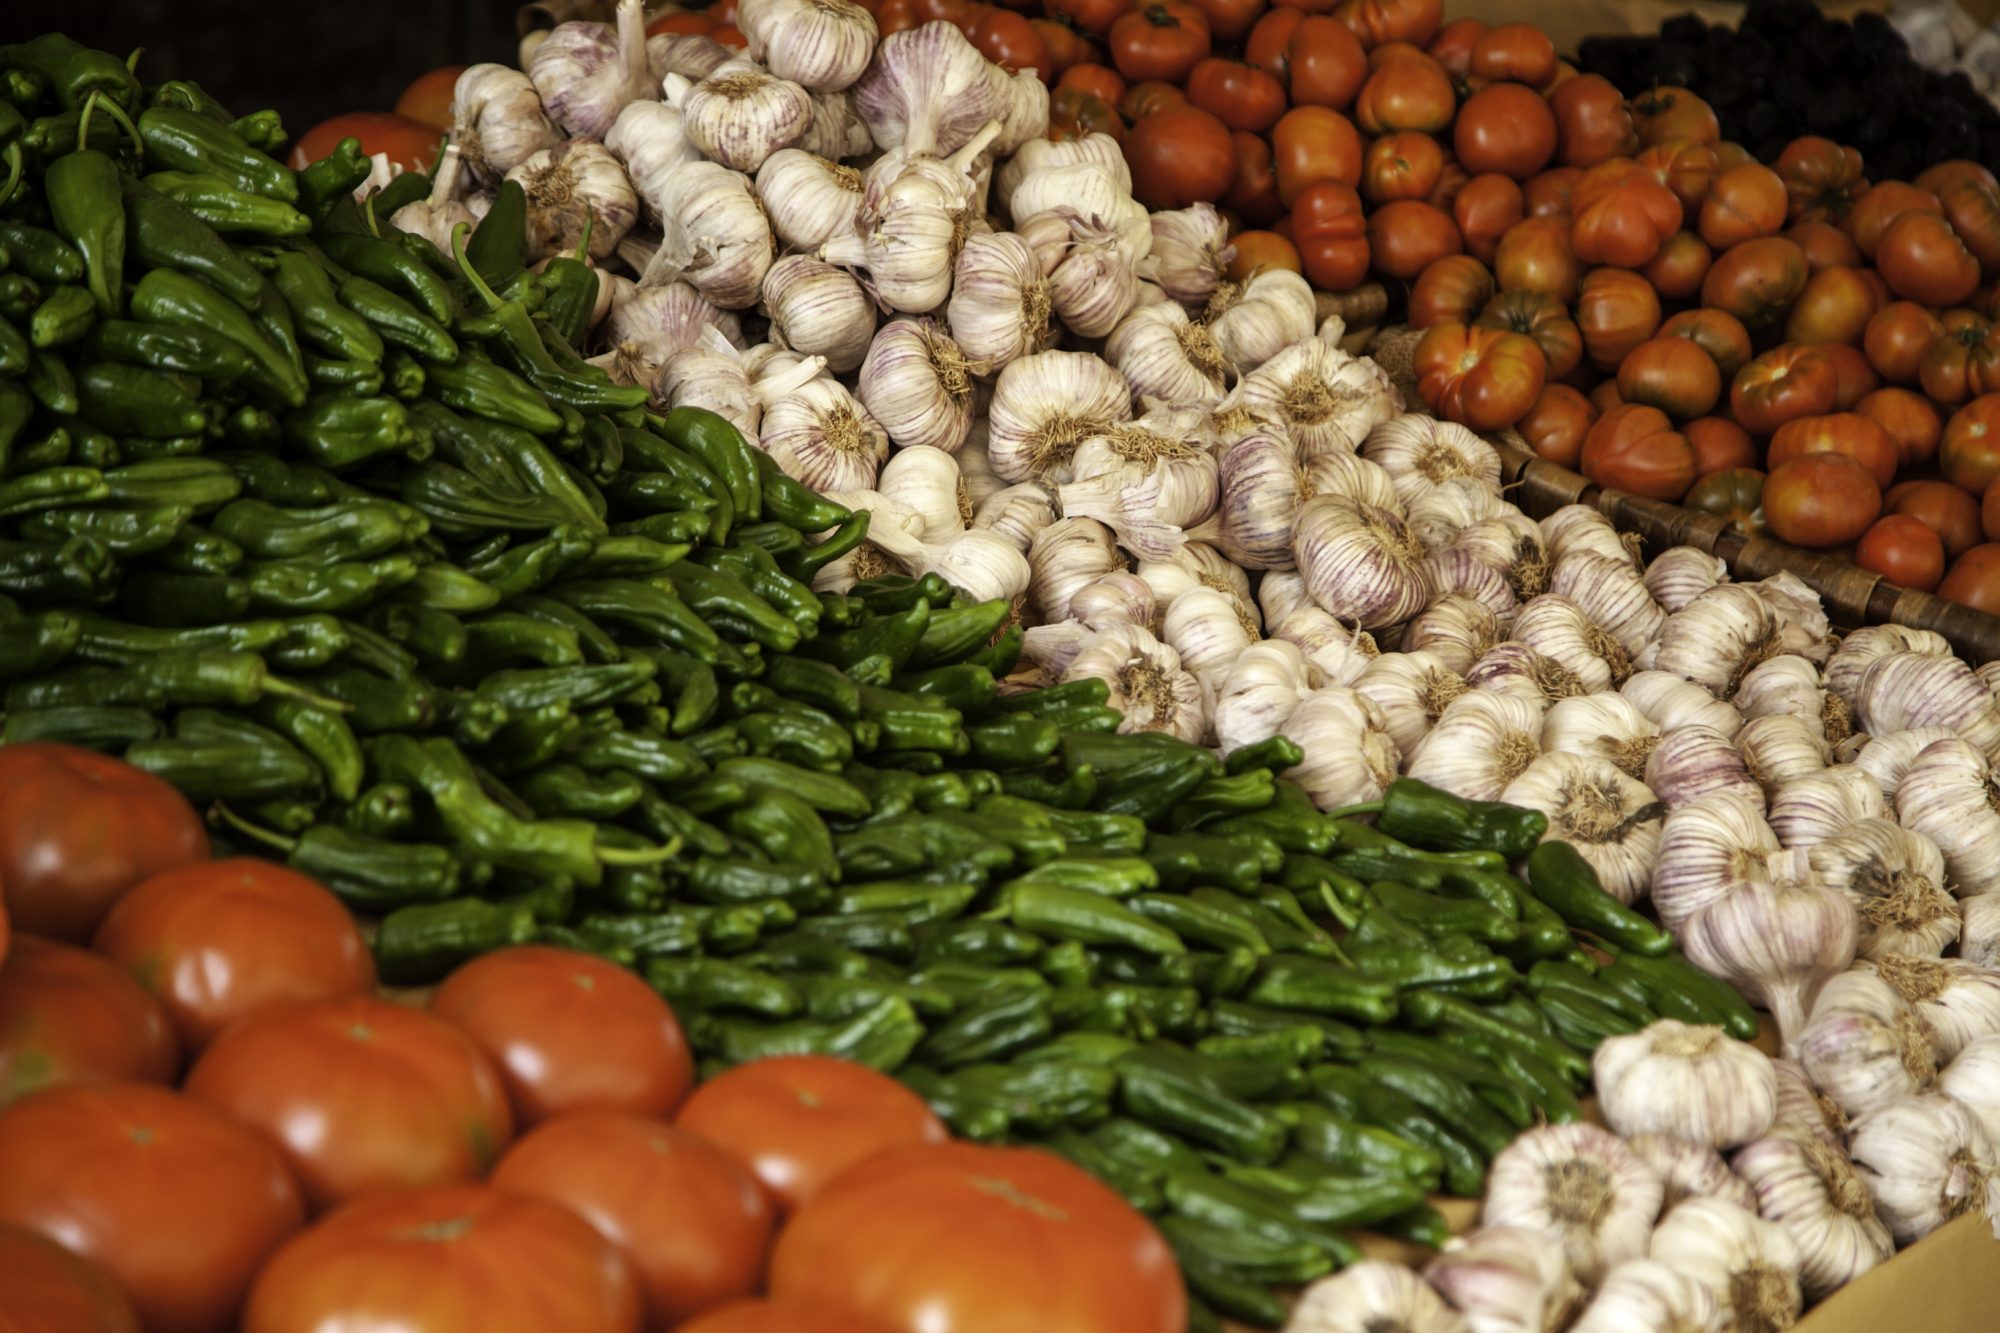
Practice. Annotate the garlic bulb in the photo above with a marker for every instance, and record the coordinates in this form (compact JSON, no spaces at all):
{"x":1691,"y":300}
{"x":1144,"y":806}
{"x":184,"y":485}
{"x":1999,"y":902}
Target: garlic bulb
{"x":739,"y":115}
{"x":709,"y":374}
{"x":1803,"y":1112}
{"x":1095,"y":285}
{"x":1865,"y":1047}
{"x":1576,"y":528}
{"x":1258,"y":692}
{"x":1480,"y":744}
{"x":1325,"y":399}
{"x":1860,"y":650}
{"x":1613,"y":822}
{"x":1644,"y":1296}
{"x":925,"y":481}
{"x":1603,"y":726}
{"x":1458,"y":629}
{"x":1889,"y":757}
{"x":1046,"y":404}
{"x":659,"y":321}
{"x":1895,"y":879}
{"x":1146,"y":682}
{"x":717,"y":237}
{"x":1803,"y":627}
{"x":1510,"y":545}
{"x":1198,"y":565}
{"x":1806,"y":811}
{"x":1906,"y":690}
{"x":1690,"y":1170}
{"x":497,"y":120}
{"x":1412,"y":690}
{"x":1203,"y":627}
{"x":1190,"y":253}
{"x":1749,"y":1265}
{"x":1674,"y":702}
{"x":1098,"y":150}
{"x":1693,"y":761}
{"x":1808,"y":1187}
{"x":1079,"y":192}
{"x":1718,"y":637}
{"x":435,"y":216}
{"x":1927,"y":1161}
{"x":1359,"y":562}
{"x":914,"y":216}
{"x":1959,"y":1000}
{"x":1263,"y":485}
{"x":1788,"y":684}
{"x":1017,"y":513}
{"x":1281,"y":592}
{"x":1776,"y":943}
{"x":1115,"y":599}
{"x":928,"y":91}
{"x":1680,"y":574}
{"x":1610,"y":594}
{"x":1340,"y":652}
{"x":650,"y":140}
{"x":1516,"y":669}
{"x":819,"y":310}
{"x":1557,"y":628}
{"x":574,"y":185}
{"x":808,"y":198}
{"x":1459,"y":572}
{"x":1350,"y":758}
{"x":1373,"y":1296}
{"x":1065,"y":556}
{"x":1506,"y":1280}
{"x":917,"y":383}
{"x":823,"y":45}
{"x":1150,"y":474}
{"x":1420,"y":452}
{"x":585,"y":73}
{"x":1950,"y":795}
{"x":820,"y":436}
{"x":1000,"y":304}
{"x":1255,"y":320}
{"x":1972,"y":1079}
{"x":1165,"y":355}
{"x":1779,"y":749}
{"x":1689,"y":1082}
{"x":1979,"y":930}
{"x":1706,"y":845}
{"x":1024,"y":109}
{"x":837,"y":131}
{"x":1438,"y":515}
{"x":1578,"y":1185}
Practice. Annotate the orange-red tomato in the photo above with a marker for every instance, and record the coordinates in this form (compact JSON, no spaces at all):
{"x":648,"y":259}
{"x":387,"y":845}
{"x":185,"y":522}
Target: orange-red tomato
{"x":178,"y":1204}
{"x":1969,"y":451}
{"x":1943,"y":508}
{"x":1150,"y":97}
{"x":1909,"y":420}
{"x":1542,"y":317}
{"x":427,"y":99}
{"x":1896,"y":339}
{"x":1922,"y":259}
{"x":68,"y":1016}
{"x":1834,"y":307}
{"x":410,"y":144}
{"x":1229,"y":20}
{"x":1743,"y":204}
{"x":1452,"y":47}
{"x":1716,"y":332}
{"x":1311,"y":144}
{"x":1593,"y":122}
{"x":1161,"y":39}
{"x":1685,"y":167}
{"x":1378,"y":21}
{"x":1616,"y":310}
{"x":1719,"y":444}
{"x":1066,"y":47}
{"x":1671,"y":374}
{"x":1483,"y":378}
{"x":1849,"y":433}
{"x":1092,"y":16}
{"x":693,"y":1225}
{"x":361,"y":1094}
{"x":1406,"y":236}
{"x":1074,"y":113}
{"x":1822,"y":178}
{"x":1535,"y":255}
{"x":1325,"y":63}
{"x":1757,"y":281}
{"x":1825,"y":245}
{"x":46,"y":1289}
{"x":1820,"y":500}
{"x":1734,"y":494}
{"x":1935,"y":177}
{"x":1100,"y":81}
{"x":452,"y":1257}
{"x":1902,"y":550}
{"x":1546,"y":194}
{"x":1854,"y":379}
{"x":1635,"y":448}
{"x":1556,"y":425}
{"x":1605,"y":396}
{"x":1974,"y":579}
{"x":1520,"y":52}
{"x":1241,"y":96}
{"x":1180,"y":157}
{"x":1620,"y":215}
{"x":1664,"y":113}
{"x":940,"y":1237}
{"x":1455,"y":288}
{"x":1963,"y":361}
{"x":1484,"y":209}
{"x":1680,"y":268}
{"x":1882,"y":204}
{"x":776,"y":1317}
{"x":1973,"y":209}
{"x":1408,"y":92}
{"x":1505,"y":127}
{"x":1784,"y":384}
{"x":1010,"y":41}
{"x":1331,"y":235}
{"x":1452,"y":178}
{"x":1253,"y":193}
{"x":1258,"y":251}
{"x":1270,"y":36}
{"x":225,"y":939}
{"x":1403,"y":165}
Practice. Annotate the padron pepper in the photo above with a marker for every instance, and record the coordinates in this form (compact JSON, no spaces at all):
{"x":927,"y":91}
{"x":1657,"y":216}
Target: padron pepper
{"x":189,"y":141}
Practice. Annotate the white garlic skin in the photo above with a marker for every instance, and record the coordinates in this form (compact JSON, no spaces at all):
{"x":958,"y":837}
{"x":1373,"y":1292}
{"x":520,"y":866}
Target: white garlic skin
{"x":1350,"y":757}
{"x":1673,"y":702}
{"x":1927,"y":1160}
{"x":1581,"y":1186}
{"x":1691,"y":1170}
{"x":1865,"y":1047}
{"x":1680,"y":574}
{"x":1808,"y":810}
{"x":917,"y":383}
{"x":1255,"y":320}
{"x":1458,"y":629}
{"x":1046,"y":404}
{"x":1979,"y":930}
{"x":1948,"y":794}
{"x":497,"y":120}
{"x":1706,"y":846}
{"x":1646,"y":1296}
{"x":1972,"y":1079}
{"x":1895,"y":879}
{"x":1776,"y":943}
{"x":1808,"y":1187}
{"x":1859,"y":650}
{"x":823,"y":45}
{"x":1750,"y":1265}
{"x":1613,"y":821}
{"x":1694,"y":761}
{"x":1689,"y":1082}
{"x":1889,"y":757}
{"x":1505,"y":1280}
{"x":927,"y":90}
{"x":1359,"y":562}
{"x":1421,"y":453}
{"x":1369,"y":1297}
{"x":1480,"y":743}
{"x":1802,"y":1111}
{"x":576,"y":182}
{"x":819,"y":310}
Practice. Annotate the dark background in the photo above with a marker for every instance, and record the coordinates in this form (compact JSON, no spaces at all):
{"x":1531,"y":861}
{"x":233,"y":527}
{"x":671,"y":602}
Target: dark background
{"x":308,"y":59}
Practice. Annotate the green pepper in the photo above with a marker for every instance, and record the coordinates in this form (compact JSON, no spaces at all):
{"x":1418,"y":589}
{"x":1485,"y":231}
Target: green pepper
{"x":71,"y":72}
{"x":332,"y":178}
{"x":41,"y":254}
{"x":397,"y":320}
{"x":1296,"y":981}
{"x":189,"y":141}
{"x":1430,"y":1010}
{"x":105,"y":729}
{"x":1672,"y":974}
{"x":1276,"y":754}
{"x":1560,"y":877}
{"x":711,"y":984}
{"x":645,"y":609}
{"x":1352,"y":1095}
{"x":881,"y":1038}
{"x":241,"y":763}
{"x":388,"y":264}
{"x":1251,"y":1212}
{"x":126,"y":400}
{"x":721,"y":597}
{"x":63,"y":317}
{"x":498,"y":247}
{"x":164,"y":296}
{"x":323,"y":321}
{"x":422,"y":942}
{"x":161,"y":233}
{"x":227,"y":208}
{"x":1362,"y":1149}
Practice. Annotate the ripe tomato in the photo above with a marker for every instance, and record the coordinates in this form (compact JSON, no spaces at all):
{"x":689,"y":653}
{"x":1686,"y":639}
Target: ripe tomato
{"x":1074,"y":113}
{"x":225,"y":939}
{"x":776,"y":1317}
{"x":941,"y":1237}
{"x":411,"y":144}
{"x":361,"y":1094}
{"x":1556,"y":425}
{"x":1452,"y":47}
{"x":1258,"y":251}
{"x":1973,"y":209}
{"x":1719,"y":444}
{"x":1671,"y":374}
{"x":1902,"y":550}
{"x":1896,"y":339}
{"x":1743,"y":204}
{"x":1854,"y":379}
{"x":444,"y":1259}
{"x":1535,"y":256}
{"x":179,"y":1204}
{"x":1908,"y":419}
{"x":1455,"y":288}
{"x":1010,"y":41}
{"x":79,"y":830}
{"x":1942,"y":507}
{"x":1483,"y":378}
{"x":1149,"y":98}
{"x":1605,"y":396}
{"x":569,"y":1032}
{"x":1784,"y":384}
{"x":1735,"y":494}
{"x":1593,"y":123}
{"x":1331,"y":234}
{"x":1406,"y":236}
{"x":1834,"y":307}
{"x":1229,"y":20}
{"x":427,"y":98}
{"x":46,"y":1289}
{"x":1635,"y":448}
{"x":1409,"y":92}
{"x":1620,"y":215}
{"x":1403,"y":165}
{"x":1974,"y":579}
{"x":1268,"y":43}
{"x":1311,"y":144}
{"x":1922,"y":259}
{"x":1547,"y":193}
{"x":1935,"y":177}
{"x":1543,"y":318}
{"x":1616,"y":311}
{"x":1093,"y":16}
{"x":1849,"y":433}
{"x":1680,"y":268}
{"x":1963,"y":361}
{"x":1452,"y":178}
{"x":694,"y":1225}
{"x":1179,"y":157}
{"x":1685,"y":167}
{"x":1664,"y":113}
{"x":1241,"y":96}
{"x":1969,"y":451}
{"x":1066,"y":47}
{"x":1826,"y":245}
{"x":68,"y":1016}
{"x":1757,"y":281}
{"x":1161,"y":39}
{"x":1820,"y":500}
{"x":1378,"y":21}
{"x":1100,"y":81}
{"x":1485,"y":208}
{"x":1253,"y":193}
{"x":1882,"y":204}
{"x":1520,"y":52}
{"x":1505,"y":127}
{"x":1325,"y":62}
{"x":1716,"y":332}
{"x":797,"y":1121}
{"x":1822,"y":178}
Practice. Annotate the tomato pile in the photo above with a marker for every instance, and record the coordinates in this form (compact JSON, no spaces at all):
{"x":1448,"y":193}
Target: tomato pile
{"x":210,"y":1119}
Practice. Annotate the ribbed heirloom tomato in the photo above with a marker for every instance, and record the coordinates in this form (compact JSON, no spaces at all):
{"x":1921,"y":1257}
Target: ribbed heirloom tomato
{"x":1880,"y":205}
{"x":1162,"y":39}
{"x":1719,"y":444}
{"x":1963,"y":361}
{"x":1896,"y":339}
{"x":1178,"y":157}
{"x":1519,"y":52}
{"x":1671,"y":374}
{"x":1849,"y":433}
{"x":1756,"y":281}
{"x":1822,"y":178}
{"x":1543,"y":318}
{"x":1972,"y":207}
{"x":1481,"y":378}
{"x":1902,"y":550}
{"x":1535,"y":256}
{"x":1403,"y":165}
{"x":1378,"y":21}
{"x":1507,"y":128}
{"x":1546,"y":193}
{"x":1407,"y":91}
{"x":1716,"y":332}
{"x":1743,"y":204}
{"x":1324,"y":62}
{"x":778,"y":1317}
{"x":1969,"y":453}
{"x":1667,"y":112}
{"x":1825,"y":245}
{"x":46,"y":1289}
{"x":1620,"y":215}
{"x":1484,"y":209}
{"x":1616,"y":310}
{"x":1331,"y":233}
{"x":1944,"y":508}
{"x":1922,"y":259}
{"x":1686,"y":168}
{"x":1229,"y":20}
{"x":1407,"y":235}
{"x":1974,"y":579}
{"x":1074,"y":113}
{"x":1010,"y":41}
{"x":1834,"y":307}
{"x":68,"y":1016}
{"x":1454,"y":288}
{"x":1258,"y":251}
{"x":1593,"y":122}
{"x":1680,"y":268}
{"x":1782,"y":385}
{"x":1253,"y":193}
{"x":1635,"y":448}
{"x":1241,"y":96}
{"x":1820,"y":500}
{"x":1311,"y":144}
{"x":1735,"y":494}
{"x":1556,"y":425}
{"x":1452,"y":47}
{"x":1908,"y":419}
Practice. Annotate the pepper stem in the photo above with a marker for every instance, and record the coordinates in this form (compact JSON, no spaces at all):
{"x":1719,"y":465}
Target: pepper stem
{"x":458,"y":234}
{"x":286,"y":689}
{"x":132,"y":61}
{"x":1350,"y":811}
{"x":623,"y":856}
{"x":1338,"y":910}
{"x":83,"y":122}
{"x":582,"y":254}
{"x":13,"y":173}
{"x":117,"y":113}
{"x":269,"y":837}
{"x":368,"y":215}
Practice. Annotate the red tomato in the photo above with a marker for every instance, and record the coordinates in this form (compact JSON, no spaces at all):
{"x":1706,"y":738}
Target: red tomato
{"x":1311,"y":144}
{"x":694,"y":1225}
{"x":569,"y":1032}
{"x":410,"y":144}
{"x":1257,"y":251}
{"x":1241,"y":96}
{"x":1616,"y":311}
{"x":1009,"y":40}
{"x":1452,"y":47}
{"x":1826,"y":245}
{"x":1535,"y":256}
{"x":79,"y":830}
{"x":1963,"y":361}
{"x":1162,"y":39}
{"x":1849,"y":433}
{"x":68,"y":1016}
{"x":1325,"y":63}
{"x":1822,"y":179}
{"x":1974,"y":579}
{"x":1100,"y":81}
{"x":1719,"y":445}
{"x":225,"y":939}
{"x":1331,"y":235}
{"x":1485,"y":208}
{"x":1834,"y":307}
{"x":1973,"y":209}
{"x":776,"y":1317}
{"x":1378,"y":21}
{"x":1896,"y":339}
{"x":1267,"y":47}
{"x":1451,"y":179}
{"x":1403,"y":165}
{"x":1620,"y":215}
{"x":729,"y":35}
{"x":673,"y":25}
{"x":1635,"y":448}
{"x":1686,"y":168}
{"x":797,"y":1121}
{"x":1935,"y":178}
{"x":427,"y":100}
{"x":1593,"y":123}
{"x":1483,"y":378}
{"x":6,"y":931}
{"x":1784,"y":384}
{"x":1150,"y":98}
{"x":445,"y":1259}
{"x":1902,"y":550}
{"x":1605,"y":396}
{"x":946,"y":1236}
{"x":1908,"y":419}
{"x":1180,"y":157}
{"x":1922,"y":259}
{"x":46,"y":1289}
{"x":1757,"y":281}
{"x":1456,"y":288}
{"x":1671,"y":374}
{"x":1517,"y":51}
{"x":1409,"y":91}
{"x":1074,"y":113}
{"x":178,"y":1204}
{"x":1543,"y":318}
{"x":1942,"y":507}
{"x":1969,"y":451}
{"x":1556,"y":425}
{"x":1067,"y":49}
{"x":1507,"y":128}
{"x":1881,"y":205}
{"x":1743,"y":204}
{"x":1095,"y":16}
{"x":1820,"y":500}
{"x":1680,"y":268}
{"x":1406,"y":236}
{"x":1735,"y":494}
{"x":1716,"y":332}
{"x":1547,"y":193}
{"x":1253,"y":194}
{"x":1229,"y":20}
{"x":372,"y":1095}
{"x":1854,"y":379}
{"x":1664,"y":113}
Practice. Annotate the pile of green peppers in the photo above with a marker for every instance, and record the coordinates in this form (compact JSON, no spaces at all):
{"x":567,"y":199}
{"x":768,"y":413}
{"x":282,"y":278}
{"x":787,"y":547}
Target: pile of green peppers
{"x":340,"y":535}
